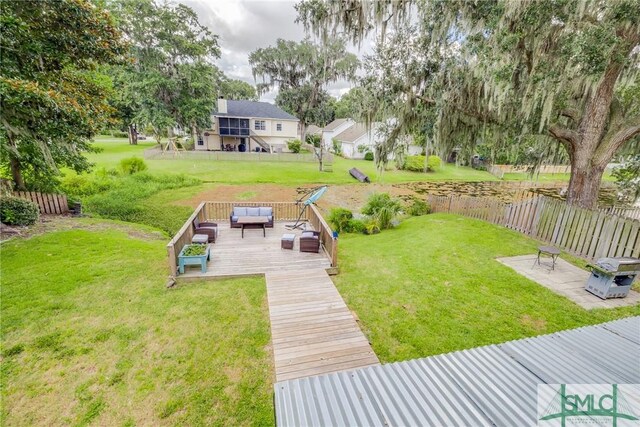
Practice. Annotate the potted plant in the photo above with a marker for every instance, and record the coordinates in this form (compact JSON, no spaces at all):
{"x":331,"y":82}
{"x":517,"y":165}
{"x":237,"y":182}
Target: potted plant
{"x":193,"y":254}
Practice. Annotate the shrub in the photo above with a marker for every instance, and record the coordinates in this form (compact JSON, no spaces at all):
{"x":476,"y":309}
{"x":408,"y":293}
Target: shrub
{"x":416,"y":163}
{"x":368,"y":156}
{"x":132,"y":165}
{"x":382,"y":208}
{"x":434,"y":163}
{"x":120,"y":135}
{"x":16,"y":211}
{"x":337,"y":147}
{"x":357,"y":226}
{"x":294,"y":145}
{"x":418,"y":207}
{"x":371,"y":226}
{"x":340,"y":219}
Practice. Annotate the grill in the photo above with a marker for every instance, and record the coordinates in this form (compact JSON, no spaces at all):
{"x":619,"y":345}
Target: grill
{"x":613,"y":277}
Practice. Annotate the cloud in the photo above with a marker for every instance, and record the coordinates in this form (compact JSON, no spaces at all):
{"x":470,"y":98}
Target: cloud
{"x":246,"y":25}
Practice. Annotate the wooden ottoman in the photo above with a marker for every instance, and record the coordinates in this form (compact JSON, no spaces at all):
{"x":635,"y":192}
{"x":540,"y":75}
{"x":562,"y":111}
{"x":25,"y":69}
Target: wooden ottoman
{"x":287,"y":241}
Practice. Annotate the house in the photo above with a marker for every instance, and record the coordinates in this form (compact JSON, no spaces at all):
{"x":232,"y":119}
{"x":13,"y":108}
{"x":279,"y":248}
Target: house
{"x":249,"y":126}
{"x":334,"y":128}
{"x":356,"y":138}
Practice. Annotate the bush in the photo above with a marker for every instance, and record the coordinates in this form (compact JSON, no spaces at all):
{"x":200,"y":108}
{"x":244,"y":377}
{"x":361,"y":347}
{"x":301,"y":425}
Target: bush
{"x":382,"y":208}
{"x":434,"y":163}
{"x":371,"y":226}
{"x":132,"y":165}
{"x":368,"y":156}
{"x":357,"y":226}
{"x":340,"y":219}
{"x":294,"y":145}
{"x":337,"y":147}
{"x":16,"y":211}
{"x":120,"y":135}
{"x":416,"y":163}
{"x":418,"y":207}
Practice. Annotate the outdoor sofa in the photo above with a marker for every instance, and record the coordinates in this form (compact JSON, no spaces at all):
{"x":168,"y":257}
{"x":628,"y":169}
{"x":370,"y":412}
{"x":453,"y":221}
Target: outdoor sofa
{"x":239,"y":211}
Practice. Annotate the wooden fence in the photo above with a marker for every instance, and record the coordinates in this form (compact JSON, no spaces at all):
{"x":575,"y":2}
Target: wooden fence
{"x":220,"y":211}
{"x":630,"y":212}
{"x":47,"y":202}
{"x":581,"y":232}
{"x":157,"y":153}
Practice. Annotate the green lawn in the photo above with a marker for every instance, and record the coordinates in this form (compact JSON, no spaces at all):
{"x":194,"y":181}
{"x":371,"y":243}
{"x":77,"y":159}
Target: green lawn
{"x":432,"y":286}
{"x":287,"y":173}
{"x":90,"y":335}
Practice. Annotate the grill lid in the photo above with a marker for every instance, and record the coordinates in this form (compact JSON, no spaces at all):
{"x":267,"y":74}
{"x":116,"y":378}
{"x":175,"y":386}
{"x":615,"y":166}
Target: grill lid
{"x":619,"y":264}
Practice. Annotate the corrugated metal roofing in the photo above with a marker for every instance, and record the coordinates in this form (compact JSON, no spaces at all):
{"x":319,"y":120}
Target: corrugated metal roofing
{"x":491,"y":385}
{"x":248,"y":109}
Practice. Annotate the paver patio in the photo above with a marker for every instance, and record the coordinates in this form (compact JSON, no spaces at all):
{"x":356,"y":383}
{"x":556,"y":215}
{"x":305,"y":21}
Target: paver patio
{"x":566,"y":280}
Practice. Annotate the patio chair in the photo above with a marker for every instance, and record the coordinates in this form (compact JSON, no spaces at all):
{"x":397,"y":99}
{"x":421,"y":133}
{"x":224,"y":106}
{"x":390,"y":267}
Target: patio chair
{"x":208,"y":228}
{"x":310,"y":241}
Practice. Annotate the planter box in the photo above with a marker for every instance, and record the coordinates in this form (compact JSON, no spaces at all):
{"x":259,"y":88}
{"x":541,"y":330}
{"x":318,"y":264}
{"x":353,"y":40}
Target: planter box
{"x":201,"y":260}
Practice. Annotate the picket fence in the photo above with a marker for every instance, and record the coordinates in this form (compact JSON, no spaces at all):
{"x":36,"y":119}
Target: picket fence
{"x":47,"y":202}
{"x":582,"y":232}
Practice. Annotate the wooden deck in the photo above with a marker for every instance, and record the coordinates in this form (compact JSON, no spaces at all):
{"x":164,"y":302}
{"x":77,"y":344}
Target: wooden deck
{"x":233,"y":256}
{"x":312,"y":330}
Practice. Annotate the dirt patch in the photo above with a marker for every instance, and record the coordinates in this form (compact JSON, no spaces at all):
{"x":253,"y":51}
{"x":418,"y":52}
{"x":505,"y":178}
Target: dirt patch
{"x":538,"y":325}
{"x":52,"y":223}
{"x":350,"y":196}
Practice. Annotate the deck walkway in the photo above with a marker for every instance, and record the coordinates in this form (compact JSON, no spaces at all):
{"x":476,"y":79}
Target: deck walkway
{"x":312,"y":330}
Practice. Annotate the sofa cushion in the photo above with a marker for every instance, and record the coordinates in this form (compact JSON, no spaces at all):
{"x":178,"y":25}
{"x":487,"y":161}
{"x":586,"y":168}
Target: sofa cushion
{"x":266,"y":211}
{"x":239,"y":211}
{"x":270,"y":218}
{"x":234,"y":218}
{"x":253,"y":211}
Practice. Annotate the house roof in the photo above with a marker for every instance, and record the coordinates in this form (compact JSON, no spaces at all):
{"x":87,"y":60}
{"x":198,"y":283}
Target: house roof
{"x":351,"y":134}
{"x":313,"y":130}
{"x":245,"y":108}
{"x":334,"y":124}
{"x":490,"y":385}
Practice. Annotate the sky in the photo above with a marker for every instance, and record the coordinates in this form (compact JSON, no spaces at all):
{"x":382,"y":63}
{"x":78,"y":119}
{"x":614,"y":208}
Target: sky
{"x":246,"y":25}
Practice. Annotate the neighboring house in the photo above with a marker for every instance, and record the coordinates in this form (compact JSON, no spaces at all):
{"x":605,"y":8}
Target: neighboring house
{"x":334,"y":128}
{"x":313,"y":130}
{"x":357,"y":138}
{"x":249,"y":126}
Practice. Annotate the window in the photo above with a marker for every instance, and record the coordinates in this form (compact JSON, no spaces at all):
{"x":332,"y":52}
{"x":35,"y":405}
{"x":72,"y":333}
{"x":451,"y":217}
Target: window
{"x":234,"y":126}
{"x":260,"y":125}
{"x":200,"y":140}
{"x":279,"y":127}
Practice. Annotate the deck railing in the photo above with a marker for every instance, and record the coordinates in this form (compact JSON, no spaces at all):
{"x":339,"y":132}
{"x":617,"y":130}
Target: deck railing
{"x":183,"y":237}
{"x":326,"y":234}
{"x":220,"y":211}
{"x":282,"y":211}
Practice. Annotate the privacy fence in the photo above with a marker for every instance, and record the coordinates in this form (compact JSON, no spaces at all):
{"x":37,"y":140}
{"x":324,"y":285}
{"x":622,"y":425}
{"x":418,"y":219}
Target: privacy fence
{"x":47,"y":203}
{"x":282,"y":211}
{"x":582,"y":232}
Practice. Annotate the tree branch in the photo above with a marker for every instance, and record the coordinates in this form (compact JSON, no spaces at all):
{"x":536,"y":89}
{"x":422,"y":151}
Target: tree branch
{"x":610,"y":146}
{"x":567,"y":137}
{"x":571,"y":113}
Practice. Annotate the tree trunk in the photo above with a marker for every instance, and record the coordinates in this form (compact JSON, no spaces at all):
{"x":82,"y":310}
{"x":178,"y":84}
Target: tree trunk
{"x":584,"y":184}
{"x":16,"y":173}
{"x":133,"y":134}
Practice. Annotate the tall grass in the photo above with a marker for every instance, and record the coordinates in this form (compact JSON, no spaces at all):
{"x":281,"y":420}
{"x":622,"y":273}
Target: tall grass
{"x":109,"y":194}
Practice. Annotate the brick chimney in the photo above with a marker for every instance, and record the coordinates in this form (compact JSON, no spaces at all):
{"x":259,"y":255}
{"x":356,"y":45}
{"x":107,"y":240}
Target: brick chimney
{"x":222,"y":105}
